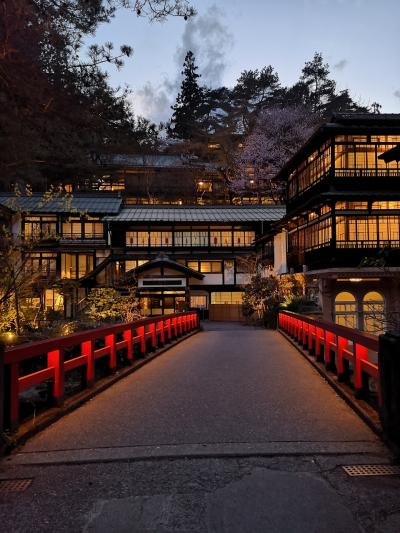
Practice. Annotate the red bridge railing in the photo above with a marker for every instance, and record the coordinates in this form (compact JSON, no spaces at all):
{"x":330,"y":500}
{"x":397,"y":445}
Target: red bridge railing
{"x":344,"y":350}
{"x":145,"y":334}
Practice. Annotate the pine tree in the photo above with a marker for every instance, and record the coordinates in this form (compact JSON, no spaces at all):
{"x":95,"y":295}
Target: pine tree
{"x":188,"y":110}
{"x":321,"y":89}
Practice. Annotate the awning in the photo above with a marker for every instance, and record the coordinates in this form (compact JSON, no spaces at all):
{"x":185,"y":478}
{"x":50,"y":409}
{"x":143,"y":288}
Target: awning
{"x":164,"y":261}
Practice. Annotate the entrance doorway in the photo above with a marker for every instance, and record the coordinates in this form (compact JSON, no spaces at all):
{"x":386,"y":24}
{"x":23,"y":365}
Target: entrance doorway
{"x":162,"y":303}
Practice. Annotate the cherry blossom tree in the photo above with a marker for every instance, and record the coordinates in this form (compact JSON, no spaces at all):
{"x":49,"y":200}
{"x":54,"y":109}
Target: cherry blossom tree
{"x":277,"y":135}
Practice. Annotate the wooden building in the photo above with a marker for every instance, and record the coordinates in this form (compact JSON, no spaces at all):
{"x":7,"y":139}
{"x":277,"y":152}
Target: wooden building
{"x":342,"y":227}
{"x":179,"y":256}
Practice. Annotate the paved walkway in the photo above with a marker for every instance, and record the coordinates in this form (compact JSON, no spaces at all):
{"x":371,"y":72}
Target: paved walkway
{"x":229,"y":431}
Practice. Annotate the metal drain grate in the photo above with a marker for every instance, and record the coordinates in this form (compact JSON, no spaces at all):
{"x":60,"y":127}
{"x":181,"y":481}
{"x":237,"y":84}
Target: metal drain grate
{"x":372,"y":470}
{"x":14,"y":485}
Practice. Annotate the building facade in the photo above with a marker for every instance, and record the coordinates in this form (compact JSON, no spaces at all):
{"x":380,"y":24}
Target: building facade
{"x":179,"y":257}
{"x":342,"y":227}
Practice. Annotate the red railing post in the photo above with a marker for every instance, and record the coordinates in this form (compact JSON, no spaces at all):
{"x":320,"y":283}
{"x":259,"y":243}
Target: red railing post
{"x":142,"y":334}
{"x":55,"y":359}
{"x":110,"y":343}
{"x":152,"y":331}
{"x":168,"y":327}
{"x":329,"y":348}
{"x":161,"y":331}
{"x":87,"y":350}
{"x":127,"y":334}
{"x":360,"y":354}
{"x":342,"y":344}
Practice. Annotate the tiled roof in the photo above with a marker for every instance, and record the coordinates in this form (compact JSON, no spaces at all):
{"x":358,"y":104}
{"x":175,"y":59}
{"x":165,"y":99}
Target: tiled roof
{"x":237,"y":213}
{"x":99,"y":204}
{"x":153,"y":160}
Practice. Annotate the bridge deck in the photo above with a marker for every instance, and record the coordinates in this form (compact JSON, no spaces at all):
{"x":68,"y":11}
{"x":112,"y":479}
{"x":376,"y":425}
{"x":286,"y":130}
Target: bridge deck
{"x":229,"y":391}
{"x":227,"y":385}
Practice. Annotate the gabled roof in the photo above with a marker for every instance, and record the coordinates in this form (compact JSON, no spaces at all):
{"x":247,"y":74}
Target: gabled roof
{"x":79,"y":203}
{"x":164,"y":261}
{"x":209,"y":214}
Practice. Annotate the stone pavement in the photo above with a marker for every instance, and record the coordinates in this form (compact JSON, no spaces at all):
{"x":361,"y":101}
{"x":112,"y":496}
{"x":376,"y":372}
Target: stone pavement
{"x":229,"y":431}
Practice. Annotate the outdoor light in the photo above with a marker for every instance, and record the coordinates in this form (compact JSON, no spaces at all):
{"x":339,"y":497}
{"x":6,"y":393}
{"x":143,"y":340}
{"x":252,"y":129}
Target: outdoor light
{"x":252,"y":181}
{"x":355,"y":280}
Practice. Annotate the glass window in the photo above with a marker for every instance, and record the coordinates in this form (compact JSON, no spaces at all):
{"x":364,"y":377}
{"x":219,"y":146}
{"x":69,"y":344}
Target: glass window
{"x":94,"y":230}
{"x":183,"y":238}
{"x":386,"y":205}
{"x":346,"y":310}
{"x":373,"y":313}
{"x":198,"y":302}
{"x":193,"y":265}
{"x":53,"y":300}
{"x":388,"y":229}
{"x":199,"y":238}
{"x":226,"y":298}
{"x":243,"y":238}
{"x":137,"y":238}
{"x":211,"y":266}
{"x":350,"y":206}
{"x":76,"y":265}
{"x":160,"y":238}
{"x":72,"y":229}
{"x":220,"y":238}
{"x":40,"y":227}
{"x":45,"y":263}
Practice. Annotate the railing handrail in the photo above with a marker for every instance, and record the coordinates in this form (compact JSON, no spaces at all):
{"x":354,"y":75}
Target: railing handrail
{"x":20,"y":353}
{"x":355,"y":335}
{"x":145,"y":334}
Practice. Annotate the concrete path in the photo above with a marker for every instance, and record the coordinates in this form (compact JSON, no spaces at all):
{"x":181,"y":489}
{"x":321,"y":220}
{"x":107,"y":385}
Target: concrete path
{"x":229,"y":431}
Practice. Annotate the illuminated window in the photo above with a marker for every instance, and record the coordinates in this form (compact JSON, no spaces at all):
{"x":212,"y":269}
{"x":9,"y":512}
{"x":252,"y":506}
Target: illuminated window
{"x":199,"y":238}
{"x":53,"y":300}
{"x":229,"y":298}
{"x":243,"y":238}
{"x":160,"y":238}
{"x":211,"y":266}
{"x":75,"y":266}
{"x":373,"y":307}
{"x":220,"y":238}
{"x":350,"y":206}
{"x":198,"y":302}
{"x":386,"y":205}
{"x":137,"y":238}
{"x":44,"y":263}
{"x":40,"y":227}
{"x":183,"y":238}
{"x":72,"y":229}
{"x":204,"y":186}
{"x":346,"y":310}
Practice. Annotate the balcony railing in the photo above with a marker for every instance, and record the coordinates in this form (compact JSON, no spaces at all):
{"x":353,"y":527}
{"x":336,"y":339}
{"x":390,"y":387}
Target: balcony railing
{"x":82,"y":236}
{"x":145,"y":335}
{"x":367,"y":173}
{"x":348,"y":352}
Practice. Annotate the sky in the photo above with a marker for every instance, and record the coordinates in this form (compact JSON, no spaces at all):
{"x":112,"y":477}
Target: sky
{"x":358,"y":38}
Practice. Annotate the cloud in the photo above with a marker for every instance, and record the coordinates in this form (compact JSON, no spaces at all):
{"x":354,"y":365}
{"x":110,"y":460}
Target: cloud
{"x":151,"y":102}
{"x":209,"y":38}
{"x":340,"y":65}
{"x":397,"y":93}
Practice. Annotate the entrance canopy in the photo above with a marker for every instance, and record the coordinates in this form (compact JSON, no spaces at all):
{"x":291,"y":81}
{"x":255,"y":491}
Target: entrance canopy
{"x":163,"y":262}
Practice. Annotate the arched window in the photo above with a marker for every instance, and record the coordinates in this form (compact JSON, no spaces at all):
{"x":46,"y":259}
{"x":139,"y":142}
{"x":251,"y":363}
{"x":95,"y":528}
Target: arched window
{"x":373,"y":307}
{"x":346,"y":310}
